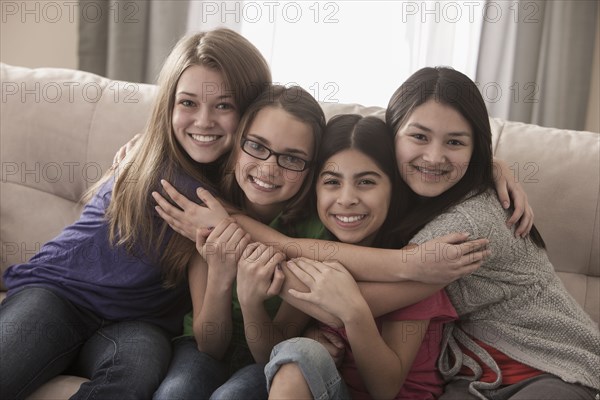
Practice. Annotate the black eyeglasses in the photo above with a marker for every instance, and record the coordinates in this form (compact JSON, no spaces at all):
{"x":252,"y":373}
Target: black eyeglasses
{"x":262,"y":152}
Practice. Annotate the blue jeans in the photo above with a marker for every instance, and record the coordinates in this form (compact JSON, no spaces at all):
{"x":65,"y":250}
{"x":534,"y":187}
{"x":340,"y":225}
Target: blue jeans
{"x":247,"y":383}
{"x":196,"y":375}
{"x":316,"y":364}
{"x":192,"y":374}
{"x":44,"y":335}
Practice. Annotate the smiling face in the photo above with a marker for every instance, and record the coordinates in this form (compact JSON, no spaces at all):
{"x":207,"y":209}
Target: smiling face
{"x":433,"y":148}
{"x":204,"y":115}
{"x":266,"y":185}
{"x":353,"y":197}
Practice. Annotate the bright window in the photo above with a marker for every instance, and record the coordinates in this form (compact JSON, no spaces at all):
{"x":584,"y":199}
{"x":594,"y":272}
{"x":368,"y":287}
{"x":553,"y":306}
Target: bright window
{"x":353,"y":51}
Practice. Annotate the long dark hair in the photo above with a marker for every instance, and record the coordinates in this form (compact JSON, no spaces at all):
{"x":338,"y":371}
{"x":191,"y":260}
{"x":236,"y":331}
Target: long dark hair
{"x":370,"y":136}
{"x":456,"y":90}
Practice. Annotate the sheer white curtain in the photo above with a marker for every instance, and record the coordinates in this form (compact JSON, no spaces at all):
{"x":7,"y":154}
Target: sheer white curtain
{"x":340,"y":51}
{"x":351,"y":51}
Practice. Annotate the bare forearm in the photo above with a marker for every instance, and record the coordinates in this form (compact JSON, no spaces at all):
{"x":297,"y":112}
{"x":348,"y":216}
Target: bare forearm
{"x":213,"y":323}
{"x":382,"y":297}
{"x":262,"y":334}
{"x":440,"y":260}
{"x":385,"y":297}
{"x":392,"y":265}
{"x":379,"y":366}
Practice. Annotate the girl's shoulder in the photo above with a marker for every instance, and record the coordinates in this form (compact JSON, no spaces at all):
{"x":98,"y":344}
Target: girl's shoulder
{"x":475,"y":202}
{"x":477,"y":214}
{"x":189,"y":185}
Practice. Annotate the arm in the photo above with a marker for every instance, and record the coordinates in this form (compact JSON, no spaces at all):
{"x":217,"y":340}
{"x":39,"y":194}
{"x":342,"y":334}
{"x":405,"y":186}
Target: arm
{"x":383,"y":362}
{"x":125,"y":150}
{"x":211,"y":319}
{"x":441,"y":260}
{"x":211,"y":285}
{"x":382,"y":297}
{"x":259,"y":278}
{"x":509,"y":188}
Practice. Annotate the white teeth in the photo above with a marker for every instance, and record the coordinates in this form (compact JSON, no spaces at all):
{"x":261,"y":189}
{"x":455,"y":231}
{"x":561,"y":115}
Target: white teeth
{"x":204,"y":138}
{"x":349,"y":219}
{"x":263,"y":183}
{"x":431,"y":171}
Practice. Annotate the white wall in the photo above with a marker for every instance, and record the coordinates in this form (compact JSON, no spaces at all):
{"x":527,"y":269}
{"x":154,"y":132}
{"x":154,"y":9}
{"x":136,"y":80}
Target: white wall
{"x":39,"y":33}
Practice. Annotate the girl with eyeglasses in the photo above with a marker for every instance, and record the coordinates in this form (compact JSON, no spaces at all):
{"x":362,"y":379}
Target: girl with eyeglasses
{"x":237,"y":317}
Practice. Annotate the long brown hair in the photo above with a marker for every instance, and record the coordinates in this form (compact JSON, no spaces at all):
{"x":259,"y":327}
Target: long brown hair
{"x":131,"y":215}
{"x":456,"y":90}
{"x":302,"y":106}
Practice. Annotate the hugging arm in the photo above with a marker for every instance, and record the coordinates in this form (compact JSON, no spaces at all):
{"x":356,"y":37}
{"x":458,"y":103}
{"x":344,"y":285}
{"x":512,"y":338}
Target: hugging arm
{"x":381,"y":297}
{"x":125,"y":150}
{"x":509,"y":188}
{"x":368,"y":264}
{"x":438,"y":261}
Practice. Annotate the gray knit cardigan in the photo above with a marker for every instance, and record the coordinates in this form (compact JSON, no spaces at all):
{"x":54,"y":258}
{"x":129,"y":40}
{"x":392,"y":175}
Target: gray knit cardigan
{"x":515,"y":303}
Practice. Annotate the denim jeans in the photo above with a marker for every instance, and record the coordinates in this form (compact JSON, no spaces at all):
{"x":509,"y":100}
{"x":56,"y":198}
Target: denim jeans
{"x":44,"y":335}
{"x":192,"y":374}
{"x":196,"y":375}
{"x":247,"y":383}
{"x":316,"y":364}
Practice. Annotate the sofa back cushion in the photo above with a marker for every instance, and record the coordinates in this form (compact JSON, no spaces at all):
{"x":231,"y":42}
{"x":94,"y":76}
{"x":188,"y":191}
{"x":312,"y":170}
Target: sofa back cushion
{"x":59,"y":131}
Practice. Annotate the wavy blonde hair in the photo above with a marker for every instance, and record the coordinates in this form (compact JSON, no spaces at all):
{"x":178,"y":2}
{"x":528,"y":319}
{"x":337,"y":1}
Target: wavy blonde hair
{"x":131,"y":215}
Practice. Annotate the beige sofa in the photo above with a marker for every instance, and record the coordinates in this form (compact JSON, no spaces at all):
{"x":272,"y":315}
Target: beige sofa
{"x":60,"y":129}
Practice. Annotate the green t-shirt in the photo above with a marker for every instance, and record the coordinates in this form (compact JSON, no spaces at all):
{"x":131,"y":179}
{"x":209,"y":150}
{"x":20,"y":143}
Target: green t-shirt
{"x":311,"y":228}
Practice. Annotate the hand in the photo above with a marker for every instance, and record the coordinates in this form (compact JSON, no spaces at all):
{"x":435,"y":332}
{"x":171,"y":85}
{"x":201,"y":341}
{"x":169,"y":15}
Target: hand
{"x":223,"y":249}
{"x":192,"y":216}
{"x":259,"y":274}
{"x":509,"y":188}
{"x":331,"y":286}
{"x":124,"y":150}
{"x":332,"y":342}
{"x":444,"y":259}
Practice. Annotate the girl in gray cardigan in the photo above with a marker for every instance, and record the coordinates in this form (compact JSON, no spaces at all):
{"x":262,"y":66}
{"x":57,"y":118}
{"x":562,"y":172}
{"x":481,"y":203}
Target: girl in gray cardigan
{"x":520,"y":334}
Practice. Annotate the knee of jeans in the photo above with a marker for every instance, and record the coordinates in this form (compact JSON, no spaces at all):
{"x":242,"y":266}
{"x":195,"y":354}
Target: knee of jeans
{"x":300,"y":348}
{"x":307,"y":353}
{"x":131,"y":341}
{"x":311,"y":357}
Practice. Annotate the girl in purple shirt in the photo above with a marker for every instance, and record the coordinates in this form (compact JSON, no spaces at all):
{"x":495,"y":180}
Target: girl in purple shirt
{"x":106,"y":295}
